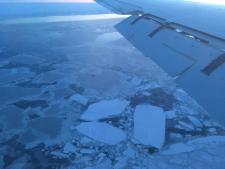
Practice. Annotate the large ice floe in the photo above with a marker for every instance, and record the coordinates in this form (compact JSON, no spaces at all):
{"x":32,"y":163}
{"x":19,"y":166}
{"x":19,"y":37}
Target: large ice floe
{"x":149,"y":125}
{"x":102,"y":132}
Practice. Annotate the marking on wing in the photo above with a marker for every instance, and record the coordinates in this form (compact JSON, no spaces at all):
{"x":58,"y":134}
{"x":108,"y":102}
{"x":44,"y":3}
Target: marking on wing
{"x":157,"y":30}
{"x":185,"y":55}
{"x":215,"y":64}
{"x":182,"y":29}
{"x":148,"y":17}
{"x":205,"y":38}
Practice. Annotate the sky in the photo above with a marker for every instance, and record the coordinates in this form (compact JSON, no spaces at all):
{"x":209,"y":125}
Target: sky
{"x":219,"y":2}
{"x":47,"y":1}
{"x":83,"y":1}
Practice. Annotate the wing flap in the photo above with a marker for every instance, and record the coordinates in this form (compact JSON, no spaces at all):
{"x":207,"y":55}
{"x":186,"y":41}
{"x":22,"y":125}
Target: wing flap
{"x":162,"y":55}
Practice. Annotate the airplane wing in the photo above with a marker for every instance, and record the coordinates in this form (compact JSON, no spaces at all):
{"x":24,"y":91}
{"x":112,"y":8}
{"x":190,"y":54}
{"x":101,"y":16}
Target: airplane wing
{"x":186,"y":39}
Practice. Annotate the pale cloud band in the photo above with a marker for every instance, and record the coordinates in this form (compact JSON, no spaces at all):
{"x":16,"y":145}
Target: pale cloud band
{"x":53,"y":19}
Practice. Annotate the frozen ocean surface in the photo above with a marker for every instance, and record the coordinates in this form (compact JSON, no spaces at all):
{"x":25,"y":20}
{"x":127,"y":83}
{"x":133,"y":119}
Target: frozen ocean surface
{"x":77,"y":95}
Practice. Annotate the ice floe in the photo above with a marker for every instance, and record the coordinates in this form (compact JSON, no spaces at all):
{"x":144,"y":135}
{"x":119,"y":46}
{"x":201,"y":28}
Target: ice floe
{"x":50,"y":126}
{"x":178,"y":148}
{"x":49,"y":77}
{"x":13,"y":118}
{"x":102,"y":132}
{"x":13,"y":75}
{"x":104,"y":109}
{"x":107,"y":164}
{"x":170,"y":114}
{"x":149,"y":125}
{"x":193,"y":145}
{"x":195,"y":121}
{"x":212,"y":139}
{"x":79,"y":99}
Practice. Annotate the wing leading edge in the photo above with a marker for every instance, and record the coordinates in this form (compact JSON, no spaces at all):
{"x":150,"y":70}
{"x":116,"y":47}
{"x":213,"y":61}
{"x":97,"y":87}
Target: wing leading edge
{"x":188,"y":47}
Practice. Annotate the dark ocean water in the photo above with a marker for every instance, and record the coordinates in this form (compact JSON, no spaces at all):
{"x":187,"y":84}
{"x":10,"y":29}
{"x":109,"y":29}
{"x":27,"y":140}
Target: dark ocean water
{"x":18,"y":10}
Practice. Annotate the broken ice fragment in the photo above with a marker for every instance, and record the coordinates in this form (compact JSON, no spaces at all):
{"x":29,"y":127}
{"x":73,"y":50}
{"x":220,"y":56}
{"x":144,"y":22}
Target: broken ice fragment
{"x":10,"y":94}
{"x":49,"y":77}
{"x":170,"y":114}
{"x":102,"y":132}
{"x":212,"y":139}
{"x":69,"y":148}
{"x":50,"y":126}
{"x":104,"y":109}
{"x":129,"y":152}
{"x":12,"y":117}
{"x":195,"y":121}
{"x":59,"y":155}
{"x":149,"y":125}
{"x":186,"y":126}
{"x":79,"y":99}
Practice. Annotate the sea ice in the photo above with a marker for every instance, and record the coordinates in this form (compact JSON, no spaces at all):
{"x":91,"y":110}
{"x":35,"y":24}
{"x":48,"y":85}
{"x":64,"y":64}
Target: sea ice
{"x":195,"y":121}
{"x":11,"y":93}
{"x":178,"y":148}
{"x":49,"y":77}
{"x":13,"y":117}
{"x":104,"y":109}
{"x":69,"y":148}
{"x":50,"y":126}
{"x":79,"y":99}
{"x":170,"y":114}
{"x":13,"y":75}
{"x":106,"y":164}
{"x":108,"y":37}
{"x":212,"y":139}
{"x":59,"y":155}
{"x":102,"y":132}
{"x":149,"y":125}
{"x":27,"y":59}
{"x":186,"y":126}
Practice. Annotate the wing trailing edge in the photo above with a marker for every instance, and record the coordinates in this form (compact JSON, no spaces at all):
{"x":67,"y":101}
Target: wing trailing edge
{"x":194,"y":56}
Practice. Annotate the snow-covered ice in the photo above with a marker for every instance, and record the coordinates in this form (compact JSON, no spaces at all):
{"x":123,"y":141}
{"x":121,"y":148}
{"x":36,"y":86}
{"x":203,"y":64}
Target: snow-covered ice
{"x":178,"y":148}
{"x":79,"y":99}
{"x":149,"y":125}
{"x":209,"y":139}
{"x":170,"y":114}
{"x":27,"y":59}
{"x":102,"y":132}
{"x":195,"y":121}
{"x":104,"y":109}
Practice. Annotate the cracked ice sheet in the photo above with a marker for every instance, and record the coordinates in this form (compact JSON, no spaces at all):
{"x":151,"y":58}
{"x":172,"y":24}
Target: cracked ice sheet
{"x":15,"y":75}
{"x":10,"y":94}
{"x":193,"y":145}
{"x":149,"y":125}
